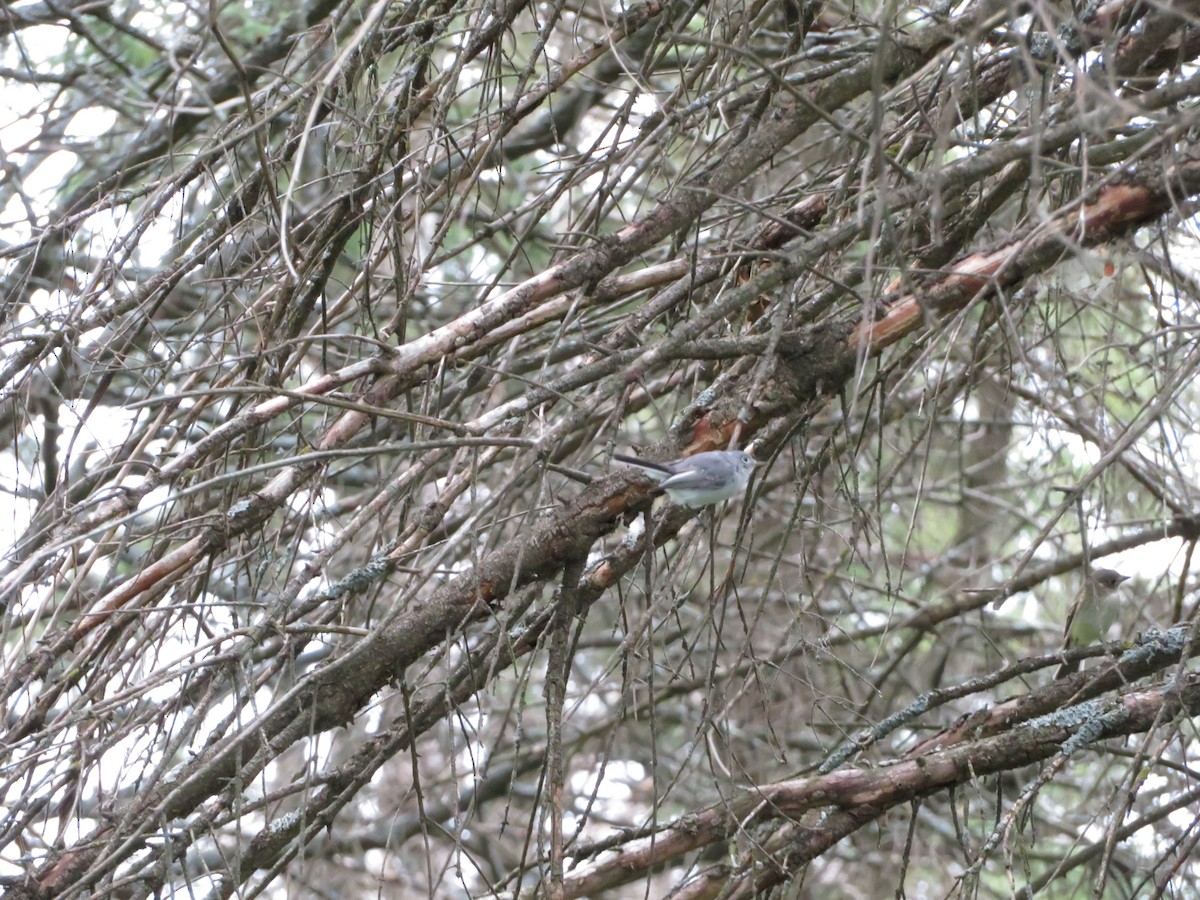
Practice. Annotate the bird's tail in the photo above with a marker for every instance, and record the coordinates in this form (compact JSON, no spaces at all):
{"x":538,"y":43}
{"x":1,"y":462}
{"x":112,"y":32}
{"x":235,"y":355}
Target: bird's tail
{"x":1067,"y":668}
{"x":641,"y":463}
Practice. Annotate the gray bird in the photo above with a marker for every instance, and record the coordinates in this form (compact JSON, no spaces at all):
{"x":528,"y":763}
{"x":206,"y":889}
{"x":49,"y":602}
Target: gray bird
{"x":700,"y":479}
{"x":1093,"y":613}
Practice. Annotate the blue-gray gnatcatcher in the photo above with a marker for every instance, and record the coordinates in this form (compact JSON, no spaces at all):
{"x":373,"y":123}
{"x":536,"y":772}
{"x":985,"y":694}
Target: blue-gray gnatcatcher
{"x":701,"y":479}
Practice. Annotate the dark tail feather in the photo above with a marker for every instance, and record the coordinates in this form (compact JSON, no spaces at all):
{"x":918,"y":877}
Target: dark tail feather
{"x":643,"y":463}
{"x":1067,"y":668}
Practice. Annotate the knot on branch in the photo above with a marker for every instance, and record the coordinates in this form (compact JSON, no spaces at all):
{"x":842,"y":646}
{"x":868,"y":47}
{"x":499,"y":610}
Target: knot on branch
{"x":815,"y":362}
{"x":1186,"y":527}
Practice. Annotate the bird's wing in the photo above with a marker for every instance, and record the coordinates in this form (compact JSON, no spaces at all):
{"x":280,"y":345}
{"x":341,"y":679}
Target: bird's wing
{"x":1071,"y":614}
{"x":682,"y":478}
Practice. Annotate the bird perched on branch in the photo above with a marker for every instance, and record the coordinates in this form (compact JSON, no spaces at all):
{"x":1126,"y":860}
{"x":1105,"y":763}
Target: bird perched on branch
{"x":700,"y":479}
{"x":1093,"y":613}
